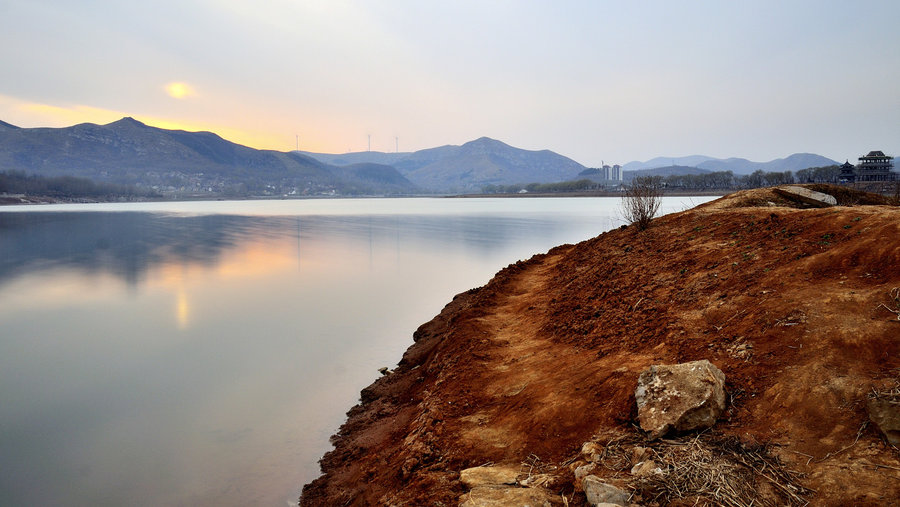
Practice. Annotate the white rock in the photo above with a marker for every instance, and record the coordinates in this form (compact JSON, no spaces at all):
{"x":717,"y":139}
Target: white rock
{"x":806,"y":196}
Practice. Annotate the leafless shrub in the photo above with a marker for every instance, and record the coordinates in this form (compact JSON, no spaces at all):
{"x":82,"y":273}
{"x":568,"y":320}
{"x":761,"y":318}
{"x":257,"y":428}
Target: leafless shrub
{"x":641,"y":200}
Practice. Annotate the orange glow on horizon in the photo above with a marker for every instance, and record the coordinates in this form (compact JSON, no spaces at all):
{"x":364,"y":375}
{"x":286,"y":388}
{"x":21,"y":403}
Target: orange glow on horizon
{"x":320,"y":135}
{"x":64,"y":116}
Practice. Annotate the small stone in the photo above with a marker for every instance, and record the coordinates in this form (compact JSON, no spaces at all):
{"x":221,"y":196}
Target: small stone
{"x":592,"y":451}
{"x":582,"y":472}
{"x":646,"y":468}
{"x":599,"y":492}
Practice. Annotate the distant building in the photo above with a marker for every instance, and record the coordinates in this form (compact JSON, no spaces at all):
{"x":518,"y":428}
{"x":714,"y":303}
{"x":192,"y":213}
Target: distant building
{"x":605,"y":172}
{"x":848,"y":173}
{"x":876,"y":166}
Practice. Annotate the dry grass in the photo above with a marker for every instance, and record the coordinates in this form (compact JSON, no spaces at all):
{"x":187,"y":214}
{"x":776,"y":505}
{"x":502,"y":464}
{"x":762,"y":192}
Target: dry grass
{"x":709,"y":470}
{"x":891,"y":394}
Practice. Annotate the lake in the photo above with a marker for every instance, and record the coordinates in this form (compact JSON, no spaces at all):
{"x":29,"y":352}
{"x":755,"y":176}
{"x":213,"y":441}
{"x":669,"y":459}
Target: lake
{"x":201,"y":353}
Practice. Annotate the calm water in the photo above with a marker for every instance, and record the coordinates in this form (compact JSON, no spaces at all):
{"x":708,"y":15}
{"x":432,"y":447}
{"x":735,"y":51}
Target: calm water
{"x":202,"y":353}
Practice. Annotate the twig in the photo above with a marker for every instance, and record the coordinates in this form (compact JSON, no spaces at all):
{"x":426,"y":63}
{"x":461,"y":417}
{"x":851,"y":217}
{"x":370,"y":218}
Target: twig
{"x":804,"y":454}
{"x":633,"y":308}
{"x":879,"y":465}
{"x":858,"y":434}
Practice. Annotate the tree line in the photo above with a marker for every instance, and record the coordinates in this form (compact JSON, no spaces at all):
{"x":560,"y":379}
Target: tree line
{"x":726,"y":180}
{"x":544,"y":188}
{"x":65,"y":187}
{"x":718,"y":180}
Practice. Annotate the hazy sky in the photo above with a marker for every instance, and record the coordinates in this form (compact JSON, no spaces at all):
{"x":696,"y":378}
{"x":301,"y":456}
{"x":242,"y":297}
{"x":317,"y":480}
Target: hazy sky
{"x":592,"y":80}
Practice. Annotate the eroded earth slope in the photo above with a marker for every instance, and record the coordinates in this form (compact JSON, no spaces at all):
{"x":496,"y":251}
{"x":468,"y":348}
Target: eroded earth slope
{"x":793,"y":305}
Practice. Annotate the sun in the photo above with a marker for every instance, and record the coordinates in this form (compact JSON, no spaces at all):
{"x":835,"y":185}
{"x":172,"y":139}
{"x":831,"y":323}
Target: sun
{"x":179,"y":90}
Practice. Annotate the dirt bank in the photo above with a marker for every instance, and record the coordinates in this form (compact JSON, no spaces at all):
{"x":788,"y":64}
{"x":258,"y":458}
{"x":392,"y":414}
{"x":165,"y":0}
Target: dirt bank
{"x":785,"y":301}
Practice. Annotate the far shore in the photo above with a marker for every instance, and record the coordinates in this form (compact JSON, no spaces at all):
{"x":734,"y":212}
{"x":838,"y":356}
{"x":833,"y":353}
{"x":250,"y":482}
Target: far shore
{"x":6,"y":200}
{"x":597,"y":193}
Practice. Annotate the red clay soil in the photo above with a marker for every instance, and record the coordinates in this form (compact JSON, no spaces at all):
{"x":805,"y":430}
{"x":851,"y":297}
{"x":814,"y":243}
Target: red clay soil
{"x":785,"y":301}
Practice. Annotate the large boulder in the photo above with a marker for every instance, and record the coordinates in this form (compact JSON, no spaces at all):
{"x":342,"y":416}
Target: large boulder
{"x":679,"y":397}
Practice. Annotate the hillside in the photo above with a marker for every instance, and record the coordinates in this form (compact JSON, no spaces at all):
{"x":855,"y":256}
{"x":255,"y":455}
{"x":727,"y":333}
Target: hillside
{"x":469,"y":167}
{"x":787,"y":302}
{"x":689,"y":161}
{"x":357,"y":157}
{"x":793,"y":163}
{"x":130,"y":152}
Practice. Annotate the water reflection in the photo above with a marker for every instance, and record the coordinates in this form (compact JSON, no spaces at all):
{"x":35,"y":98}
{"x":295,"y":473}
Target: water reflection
{"x":129,"y":244}
{"x":167,"y":358}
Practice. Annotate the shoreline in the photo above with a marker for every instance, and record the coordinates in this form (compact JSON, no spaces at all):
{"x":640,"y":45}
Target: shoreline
{"x":528,"y":369}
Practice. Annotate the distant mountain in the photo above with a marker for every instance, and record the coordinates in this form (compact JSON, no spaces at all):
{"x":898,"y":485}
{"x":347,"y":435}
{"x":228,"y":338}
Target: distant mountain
{"x":380,"y":176}
{"x":7,"y":126}
{"x":689,"y":161}
{"x":357,"y":157}
{"x":793,"y":163}
{"x":471,"y":166}
{"x":175,"y":161}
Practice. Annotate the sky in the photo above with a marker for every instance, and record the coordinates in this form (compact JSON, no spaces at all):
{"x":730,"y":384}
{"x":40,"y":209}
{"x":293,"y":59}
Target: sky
{"x":597,"y":81}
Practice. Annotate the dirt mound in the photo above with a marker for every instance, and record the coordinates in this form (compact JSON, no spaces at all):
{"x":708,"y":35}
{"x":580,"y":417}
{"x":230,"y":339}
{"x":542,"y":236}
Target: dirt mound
{"x":767,"y":197}
{"x":787,"y":302}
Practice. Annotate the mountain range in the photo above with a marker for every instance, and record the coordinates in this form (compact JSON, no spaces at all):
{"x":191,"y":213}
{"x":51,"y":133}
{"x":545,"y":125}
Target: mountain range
{"x":469,"y":167}
{"x":176,"y":162}
{"x":792,"y":163}
{"x":179,"y":162}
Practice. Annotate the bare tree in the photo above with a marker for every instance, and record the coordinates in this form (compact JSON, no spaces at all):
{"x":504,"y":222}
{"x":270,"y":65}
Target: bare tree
{"x":641,"y":200}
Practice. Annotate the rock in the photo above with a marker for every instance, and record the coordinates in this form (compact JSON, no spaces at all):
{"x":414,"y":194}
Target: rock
{"x":884,"y":411}
{"x":682,"y":397}
{"x":592,"y":451}
{"x":638,"y":453}
{"x":489,"y":476}
{"x":540,"y":481}
{"x":806,"y":196}
{"x":486,"y":496}
{"x":599,"y":492}
{"x":646,"y":468}
{"x":582,"y":472}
